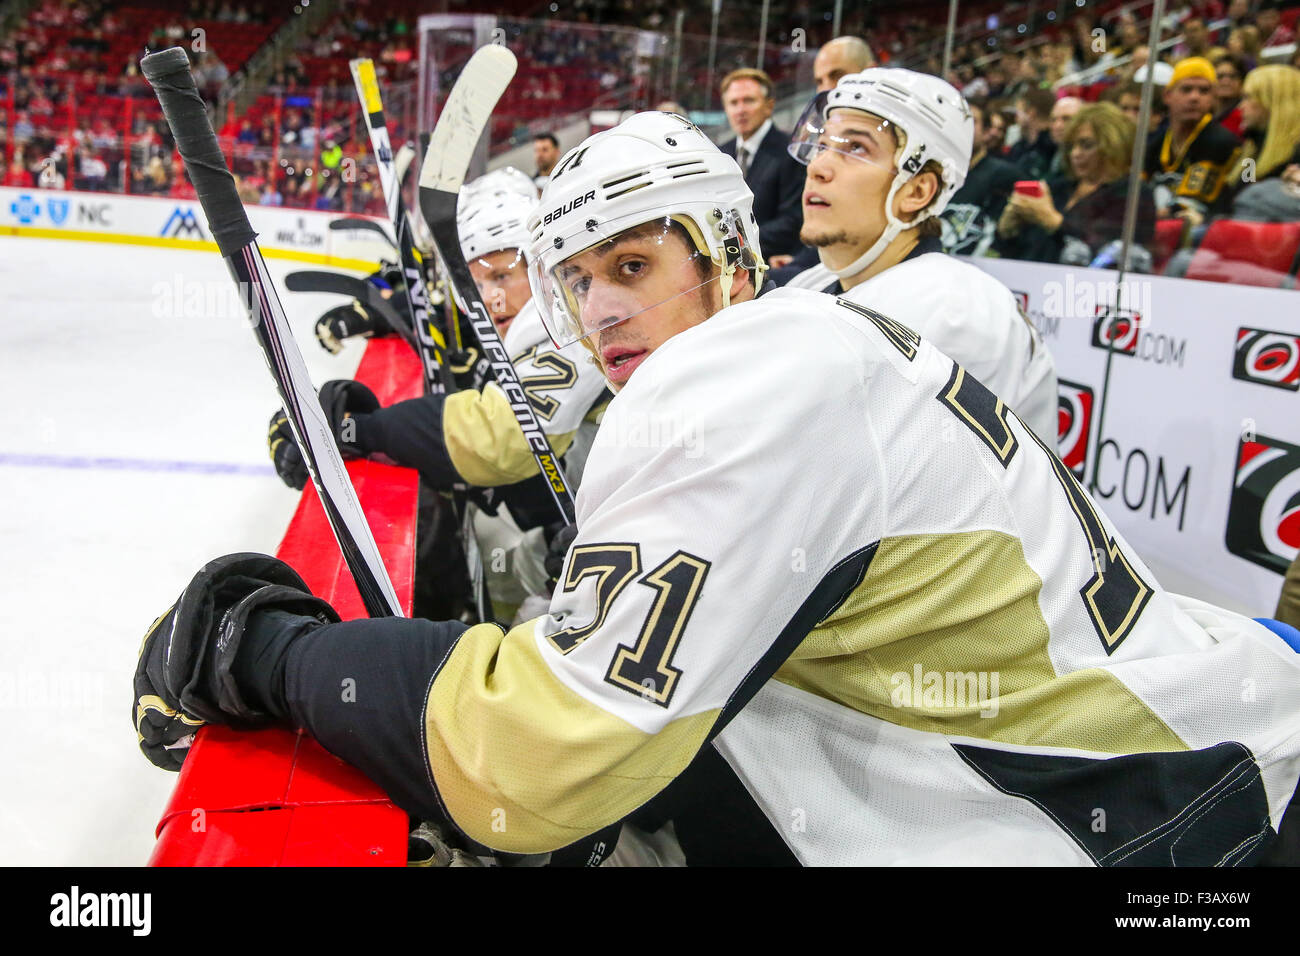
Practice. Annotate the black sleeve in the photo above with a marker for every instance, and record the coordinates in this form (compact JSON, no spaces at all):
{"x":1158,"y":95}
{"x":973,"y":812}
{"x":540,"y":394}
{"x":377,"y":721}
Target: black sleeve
{"x":780,"y":234}
{"x":359,"y":688}
{"x":410,"y":433}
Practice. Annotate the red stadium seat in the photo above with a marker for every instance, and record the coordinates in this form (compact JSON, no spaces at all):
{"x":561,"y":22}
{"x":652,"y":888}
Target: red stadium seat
{"x":1247,"y":253}
{"x":1170,"y":234}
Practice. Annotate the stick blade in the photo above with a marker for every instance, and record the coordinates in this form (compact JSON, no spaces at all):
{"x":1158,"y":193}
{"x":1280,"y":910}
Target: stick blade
{"x":464,"y":117}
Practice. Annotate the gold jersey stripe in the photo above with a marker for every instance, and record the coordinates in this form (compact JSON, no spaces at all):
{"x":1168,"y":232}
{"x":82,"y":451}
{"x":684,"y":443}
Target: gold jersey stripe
{"x":976,"y":663}
{"x":484,"y":442}
{"x":525,"y":765}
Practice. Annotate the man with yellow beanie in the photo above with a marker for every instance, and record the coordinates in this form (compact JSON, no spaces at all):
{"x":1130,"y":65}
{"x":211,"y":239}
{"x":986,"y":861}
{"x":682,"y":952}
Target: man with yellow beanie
{"x":1190,"y":157}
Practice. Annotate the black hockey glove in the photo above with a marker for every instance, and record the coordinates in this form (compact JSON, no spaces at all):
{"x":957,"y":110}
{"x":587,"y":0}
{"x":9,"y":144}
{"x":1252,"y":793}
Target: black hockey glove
{"x":342,"y":399}
{"x":284,"y":452}
{"x":187,"y":676}
{"x":346,"y":321}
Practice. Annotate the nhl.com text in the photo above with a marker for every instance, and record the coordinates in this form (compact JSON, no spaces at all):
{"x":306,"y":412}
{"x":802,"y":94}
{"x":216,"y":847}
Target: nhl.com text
{"x":80,"y":909}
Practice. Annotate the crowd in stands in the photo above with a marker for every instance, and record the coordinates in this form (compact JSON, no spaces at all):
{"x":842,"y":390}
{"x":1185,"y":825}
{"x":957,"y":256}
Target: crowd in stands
{"x":1056,"y":96}
{"x":1055,"y":138}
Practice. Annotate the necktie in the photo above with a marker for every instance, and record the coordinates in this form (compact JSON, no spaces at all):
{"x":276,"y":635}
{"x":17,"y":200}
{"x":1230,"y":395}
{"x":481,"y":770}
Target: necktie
{"x":742,"y":157}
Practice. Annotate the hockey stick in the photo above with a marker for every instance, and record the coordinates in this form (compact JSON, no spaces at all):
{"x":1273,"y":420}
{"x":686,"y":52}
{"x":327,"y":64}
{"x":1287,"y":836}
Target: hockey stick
{"x":459,"y":127}
{"x":364,"y":291}
{"x":432,"y":343}
{"x":357,"y":224}
{"x":168,"y":73}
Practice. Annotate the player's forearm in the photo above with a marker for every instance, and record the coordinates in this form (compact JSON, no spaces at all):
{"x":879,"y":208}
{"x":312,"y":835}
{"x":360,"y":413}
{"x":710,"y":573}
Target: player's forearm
{"x":495,"y":742}
{"x":483,"y":442}
{"x":359,"y":689}
{"x":410,"y":433}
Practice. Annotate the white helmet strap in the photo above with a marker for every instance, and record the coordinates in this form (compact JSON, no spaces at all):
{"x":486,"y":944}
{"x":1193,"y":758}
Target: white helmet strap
{"x":893,"y":227}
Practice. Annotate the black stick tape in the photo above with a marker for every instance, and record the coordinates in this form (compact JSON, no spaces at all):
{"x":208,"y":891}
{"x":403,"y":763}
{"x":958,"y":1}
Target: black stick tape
{"x":168,"y":72}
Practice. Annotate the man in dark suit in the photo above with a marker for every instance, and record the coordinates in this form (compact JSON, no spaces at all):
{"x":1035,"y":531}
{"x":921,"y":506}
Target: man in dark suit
{"x":760,"y":148}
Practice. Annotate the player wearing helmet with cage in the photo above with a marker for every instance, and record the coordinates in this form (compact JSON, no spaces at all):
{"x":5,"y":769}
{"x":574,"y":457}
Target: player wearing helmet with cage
{"x":885,"y":150}
{"x":756,"y":632}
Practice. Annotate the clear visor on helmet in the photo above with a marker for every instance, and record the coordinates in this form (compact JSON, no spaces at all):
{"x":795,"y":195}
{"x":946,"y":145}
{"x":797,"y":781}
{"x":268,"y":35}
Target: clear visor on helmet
{"x":846,"y":135}
{"x":614,"y":271}
{"x":502,"y":280}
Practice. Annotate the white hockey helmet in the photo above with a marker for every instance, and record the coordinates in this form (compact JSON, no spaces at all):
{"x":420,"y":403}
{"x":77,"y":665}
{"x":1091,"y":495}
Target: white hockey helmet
{"x":507,"y":179}
{"x":935,"y":123}
{"x":491,"y":222}
{"x":652,"y":169}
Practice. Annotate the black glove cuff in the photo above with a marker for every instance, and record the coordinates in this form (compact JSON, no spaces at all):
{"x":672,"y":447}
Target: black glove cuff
{"x":272,"y":617}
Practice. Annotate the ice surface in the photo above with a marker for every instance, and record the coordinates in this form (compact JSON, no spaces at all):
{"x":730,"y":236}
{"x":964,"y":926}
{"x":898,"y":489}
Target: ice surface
{"x":132,"y":450}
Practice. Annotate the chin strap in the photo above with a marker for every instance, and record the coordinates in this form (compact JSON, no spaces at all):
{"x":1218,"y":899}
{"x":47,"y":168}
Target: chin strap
{"x":893,"y":227}
{"x":737,"y":255}
{"x":724,"y":282}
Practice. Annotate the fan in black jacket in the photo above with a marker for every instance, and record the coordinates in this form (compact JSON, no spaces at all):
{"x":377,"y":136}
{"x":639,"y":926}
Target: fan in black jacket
{"x":772,"y":175}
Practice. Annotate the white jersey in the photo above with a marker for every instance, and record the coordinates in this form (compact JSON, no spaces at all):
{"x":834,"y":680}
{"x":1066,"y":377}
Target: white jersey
{"x":893,"y":612}
{"x":970,"y":316}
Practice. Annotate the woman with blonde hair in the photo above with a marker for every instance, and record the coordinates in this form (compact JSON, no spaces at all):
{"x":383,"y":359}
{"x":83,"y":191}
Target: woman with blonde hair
{"x":1087,"y":205}
{"x":1270,"y":109}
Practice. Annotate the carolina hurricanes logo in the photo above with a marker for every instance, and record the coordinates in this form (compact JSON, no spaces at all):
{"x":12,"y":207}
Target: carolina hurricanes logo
{"x":1116,"y":329}
{"x":1073,"y":424}
{"x":1264,"y":511}
{"x":1268,"y":358}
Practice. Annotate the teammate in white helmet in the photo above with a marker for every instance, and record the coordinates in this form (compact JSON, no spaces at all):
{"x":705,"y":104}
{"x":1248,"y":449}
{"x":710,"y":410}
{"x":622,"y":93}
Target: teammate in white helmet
{"x":471,"y":436}
{"x":830,"y":600}
{"x":885,"y":150}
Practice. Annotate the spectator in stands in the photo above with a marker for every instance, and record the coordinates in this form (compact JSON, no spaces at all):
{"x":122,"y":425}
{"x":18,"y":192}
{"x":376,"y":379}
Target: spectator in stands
{"x":995,"y":129}
{"x":24,"y":130}
{"x":1270,"y":108}
{"x":1196,"y":39}
{"x":1127,"y":97}
{"x":1063,"y":110}
{"x":840,"y":57}
{"x":1269,"y":22}
{"x":970,"y":219}
{"x":1229,"y":71}
{"x":1244,"y":42}
{"x":1191,"y":157}
{"x":18,"y":175}
{"x":246,"y":132}
{"x":152,"y":179}
{"x":1034,"y":150}
{"x":774,"y":177}
{"x":1238,"y":15}
{"x":546,"y":153}
{"x":1087,"y":209}
{"x":331,"y":157}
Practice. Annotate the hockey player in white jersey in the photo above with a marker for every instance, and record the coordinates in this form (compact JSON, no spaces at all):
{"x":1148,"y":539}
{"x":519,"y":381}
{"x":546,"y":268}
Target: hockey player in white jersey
{"x":863,"y":599}
{"x":885,"y":150}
